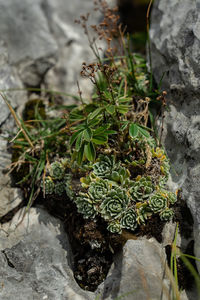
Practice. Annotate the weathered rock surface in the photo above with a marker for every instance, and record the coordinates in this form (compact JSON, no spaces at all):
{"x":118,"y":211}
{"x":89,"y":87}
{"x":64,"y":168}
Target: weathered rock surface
{"x":175,"y":41}
{"x":9,"y":197}
{"x":43,"y":35}
{"x":72,"y":44}
{"x":137,"y":273}
{"x":31,"y":47}
{"x":36,"y":260}
{"x":9,"y":79}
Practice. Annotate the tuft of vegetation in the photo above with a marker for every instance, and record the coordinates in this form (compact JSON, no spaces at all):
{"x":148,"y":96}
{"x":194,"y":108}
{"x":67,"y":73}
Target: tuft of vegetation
{"x":109,"y":144}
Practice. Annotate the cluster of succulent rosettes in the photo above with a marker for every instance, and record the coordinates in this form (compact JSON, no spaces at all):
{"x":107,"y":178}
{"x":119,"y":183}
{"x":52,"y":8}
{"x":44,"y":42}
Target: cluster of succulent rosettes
{"x":141,"y":189}
{"x":57,"y":181}
{"x":109,"y":191}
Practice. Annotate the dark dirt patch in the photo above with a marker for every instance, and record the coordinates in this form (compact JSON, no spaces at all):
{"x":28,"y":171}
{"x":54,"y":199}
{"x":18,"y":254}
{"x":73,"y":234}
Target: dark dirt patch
{"x":183,"y":216}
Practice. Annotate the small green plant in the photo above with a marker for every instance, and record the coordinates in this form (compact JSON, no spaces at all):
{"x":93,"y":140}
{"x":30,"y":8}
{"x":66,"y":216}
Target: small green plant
{"x":109,"y":144}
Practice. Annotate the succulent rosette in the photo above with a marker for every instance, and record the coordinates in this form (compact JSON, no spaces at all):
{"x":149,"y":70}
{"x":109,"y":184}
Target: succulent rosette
{"x":141,"y":189}
{"x":85,"y":206}
{"x":114,"y":227}
{"x":167,"y":214}
{"x":158,"y":202}
{"x":48,"y":185}
{"x":129,"y":219}
{"x":98,"y":189}
{"x":59,"y":187}
{"x":57,"y":171}
{"x":120,"y":175}
{"x":171,"y":197}
{"x":114,"y":204}
{"x":103,"y":167}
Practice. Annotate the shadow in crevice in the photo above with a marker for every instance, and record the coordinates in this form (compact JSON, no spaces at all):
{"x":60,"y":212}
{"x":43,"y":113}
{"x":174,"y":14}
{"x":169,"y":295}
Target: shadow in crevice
{"x":111,"y":285}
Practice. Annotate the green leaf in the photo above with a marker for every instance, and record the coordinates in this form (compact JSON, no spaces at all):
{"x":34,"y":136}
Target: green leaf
{"x":110,"y":109}
{"x":120,"y":87}
{"x":144,"y":127}
{"x":133,"y":130}
{"x":79,"y":141}
{"x":76,"y":115}
{"x":124,"y":100}
{"x":124,"y":125}
{"x":94,"y":122}
{"x":95,"y":113}
{"x":80,"y":126}
{"x":107,"y":95}
{"x":143,"y":132}
{"x":89,"y":108}
{"x":110,"y":132}
{"x":101,"y":129}
{"x":74,"y":137}
{"x":87,"y":134}
{"x":123,"y":109}
{"x":100,"y":139}
{"x":89,"y":151}
{"x":80,"y":155}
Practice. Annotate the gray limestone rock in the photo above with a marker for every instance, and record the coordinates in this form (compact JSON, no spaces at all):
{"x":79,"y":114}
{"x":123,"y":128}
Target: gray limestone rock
{"x":175,"y":43}
{"x":9,"y":197}
{"x":9,"y":79}
{"x":72,"y":43}
{"x":36,"y":260}
{"x":137,"y":273}
{"x":31,"y":47}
